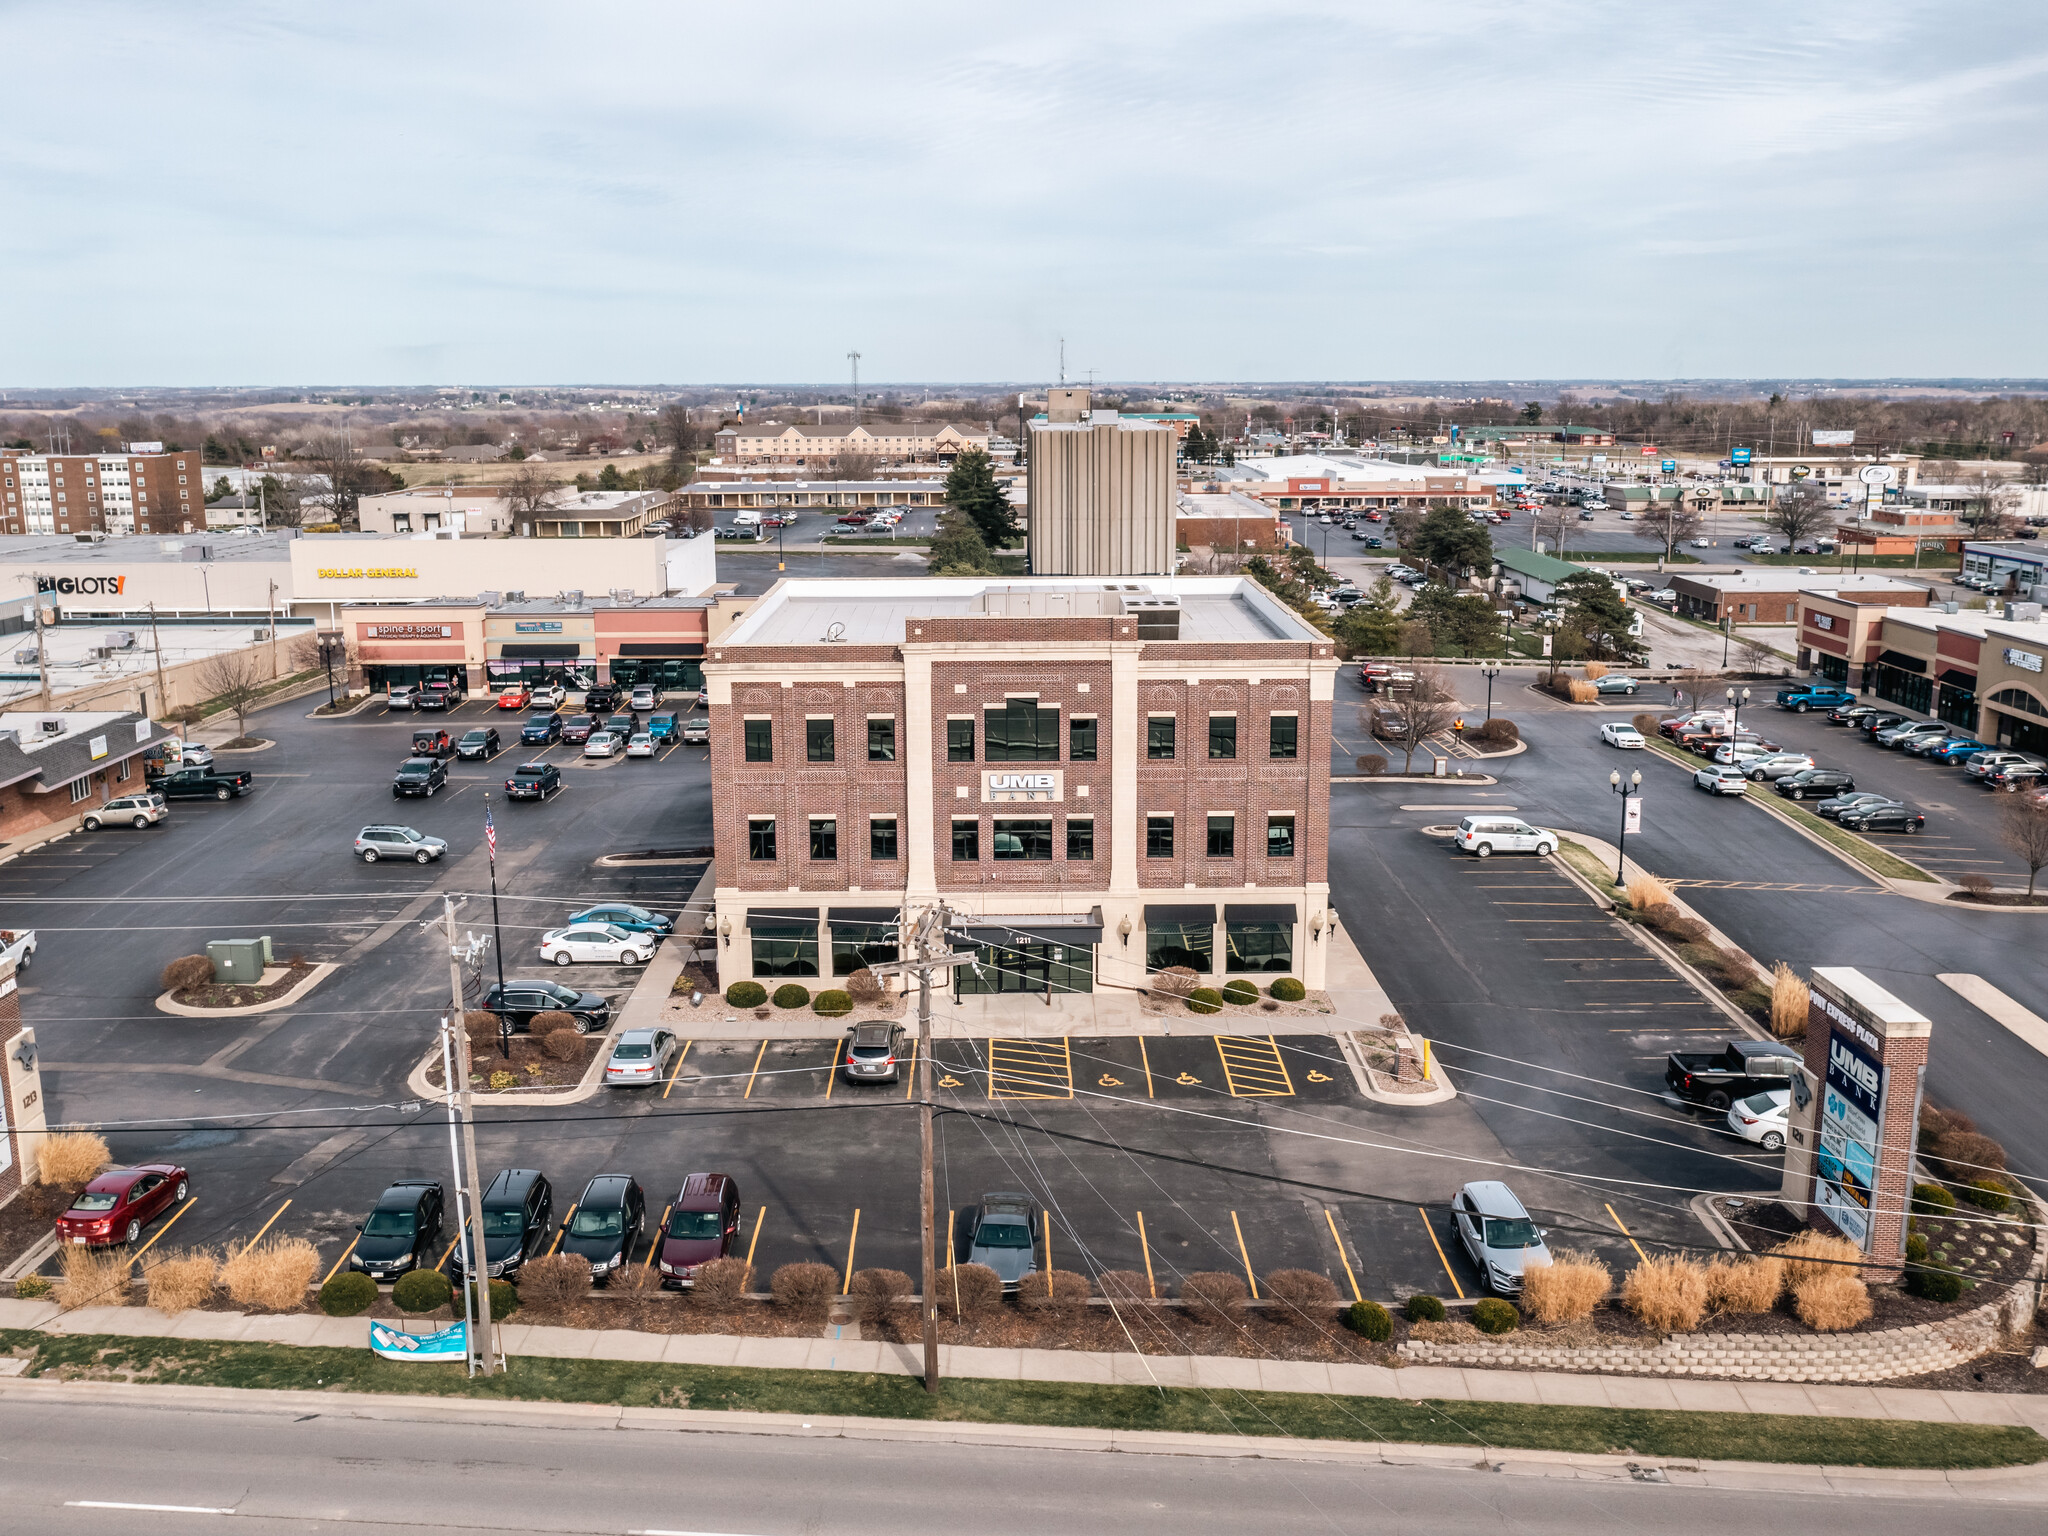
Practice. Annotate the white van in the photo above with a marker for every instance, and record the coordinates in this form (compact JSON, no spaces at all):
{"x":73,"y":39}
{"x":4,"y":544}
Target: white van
{"x":1483,"y":836}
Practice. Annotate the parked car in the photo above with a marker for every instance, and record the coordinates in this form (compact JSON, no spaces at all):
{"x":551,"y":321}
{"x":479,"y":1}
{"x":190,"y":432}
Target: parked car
{"x":578,"y":729}
{"x":516,"y":697}
{"x":1954,"y":749}
{"x":595,"y":941}
{"x":518,"y":1210}
{"x":873,"y":1050}
{"x":1708,"y":743}
{"x":1851,"y":714}
{"x":602,"y":744}
{"x":1984,"y":765}
{"x":622,"y":914}
{"x":607,"y":1224}
{"x":1498,"y":1233}
{"x":644,"y":699}
{"x":432,"y":741}
{"x":195,"y":754}
{"x":1615,"y":682}
{"x":204,"y":784}
{"x":1889,"y":816}
{"x":2013,"y":776}
{"x":640,"y":744}
{"x":1483,"y":836}
{"x":436,"y":696}
{"x":1908,"y":730}
{"x":600,"y":699}
{"x":1721,"y":779}
{"x":479,"y":745}
{"x":1814,"y":696}
{"x":1619,"y":733}
{"x":550,"y":696}
{"x":1762,"y":1117}
{"x":1716,"y":1079}
{"x":374,"y":843}
{"x":1833,"y":807}
{"x":641,"y":1058}
{"x":1002,"y":1232}
{"x":703,"y":1224}
{"x":519,"y":1001}
{"x":620,"y":725}
{"x":419,"y":776}
{"x":1775,"y":765}
{"x":696,"y":731}
{"x":1812,"y":783}
{"x":399,"y":696}
{"x":401,"y":1232}
{"x":533,"y":781}
{"x":1882,"y":720}
{"x":1740,"y":752}
{"x":541,"y":730}
{"x":116,"y":1206}
{"x":662,"y":726}
{"x":140,"y":810}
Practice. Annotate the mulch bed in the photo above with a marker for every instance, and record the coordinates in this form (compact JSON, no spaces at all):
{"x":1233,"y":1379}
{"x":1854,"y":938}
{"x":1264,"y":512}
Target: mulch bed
{"x":530,"y":1065}
{"x":27,"y":1219}
{"x":217,"y":994}
{"x":1999,"y":899}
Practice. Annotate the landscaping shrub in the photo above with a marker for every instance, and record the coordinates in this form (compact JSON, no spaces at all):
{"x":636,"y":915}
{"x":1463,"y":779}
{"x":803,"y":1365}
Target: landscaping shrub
{"x":1969,"y":1154}
{"x":970,"y":1290}
{"x":1675,"y":925}
{"x":555,"y":1280}
{"x":349,"y":1294}
{"x":1935,"y":1121}
{"x":1986,"y":1194}
{"x":562,"y":1044}
{"x":93,"y":1277}
{"x":791,"y":994}
{"x":1646,"y":725}
{"x":1424,"y":1309}
{"x":1932,"y":1200}
{"x":1300,"y":1296}
{"x":746,"y":994}
{"x":1500,"y":731}
{"x":1239,"y":991}
{"x":187,"y":971}
{"x":1566,"y":1289}
{"x":1121,"y":1285}
{"x":72,"y":1159}
{"x":1058,"y":1293}
{"x":877,"y":1292}
{"x":1288,"y":990}
{"x":1372,"y":764}
{"x":1935,"y":1282}
{"x":274,"y":1273}
{"x":31,"y":1287}
{"x":484,"y":1030}
{"x":1205,"y":1000}
{"x":832,"y":1002}
{"x":723,"y":1282}
{"x":1212,"y":1298}
{"x":1789,"y":1003}
{"x":1647,"y":891}
{"x":1581,"y":692}
{"x":1746,"y":1284}
{"x":1976,"y":885}
{"x":1667,"y":1293}
{"x":864,"y":987}
{"x":504,"y":1301}
{"x":1731,"y":969}
{"x":501,"y":1081}
{"x":1916,"y":1248}
{"x":548,"y":1021}
{"x":178,"y":1282}
{"x":1831,"y":1302}
{"x":804,"y":1290}
{"x":1811,"y":1254}
{"x":423,"y":1290}
{"x":1595,"y":670}
{"x":1492,"y":1315}
{"x":1369,"y":1320}
{"x":1174,"y":981}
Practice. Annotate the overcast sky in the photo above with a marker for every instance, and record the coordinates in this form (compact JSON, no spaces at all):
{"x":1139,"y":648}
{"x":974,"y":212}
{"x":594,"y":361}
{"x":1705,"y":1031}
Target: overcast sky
{"x":437,"y":193}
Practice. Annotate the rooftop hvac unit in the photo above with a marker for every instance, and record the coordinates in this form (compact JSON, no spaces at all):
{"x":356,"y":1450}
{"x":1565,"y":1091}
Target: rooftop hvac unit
{"x":515,"y":597}
{"x":490,"y":599}
{"x":1158,"y":617}
{"x":573,"y":599}
{"x":50,"y":725}
{"x":120,"y":640}
{"x":27,"y":656}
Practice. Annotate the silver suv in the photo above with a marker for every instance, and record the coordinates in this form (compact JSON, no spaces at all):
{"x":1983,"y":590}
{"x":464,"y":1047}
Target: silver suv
{"x":872,"y":1051}
{"x":136,"y":810}
{"x":374,"y":843}
{"x":1497,"y":1232}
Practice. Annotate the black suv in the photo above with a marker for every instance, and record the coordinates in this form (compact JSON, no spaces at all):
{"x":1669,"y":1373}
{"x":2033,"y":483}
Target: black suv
{"x":533,"y":781}
{"x":600,"y":699}
{"x":542,"y":729}
{"x":419,"y":776}
{"x":402,"y":1231}
{"x":607,"y":1224}
{"x":1815,"y":783}
{"x":481,"y":743}
{"x":519,"y":1001}
{"x":518,"y":1209}
{"x":622,"y":726}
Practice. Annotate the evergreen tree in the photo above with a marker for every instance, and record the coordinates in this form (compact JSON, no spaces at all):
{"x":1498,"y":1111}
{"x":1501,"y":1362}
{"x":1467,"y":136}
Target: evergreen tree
{"x":959,"y":549}
{"x":972,"y":491}
{"x":1450,"y":540}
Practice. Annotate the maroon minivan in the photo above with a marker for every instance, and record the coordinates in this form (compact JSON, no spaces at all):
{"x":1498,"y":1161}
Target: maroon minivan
{"x":704,"y":1224}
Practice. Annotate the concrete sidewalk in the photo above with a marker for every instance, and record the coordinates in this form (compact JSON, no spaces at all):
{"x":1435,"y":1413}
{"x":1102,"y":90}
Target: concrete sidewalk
{"x":1212,"y":1372}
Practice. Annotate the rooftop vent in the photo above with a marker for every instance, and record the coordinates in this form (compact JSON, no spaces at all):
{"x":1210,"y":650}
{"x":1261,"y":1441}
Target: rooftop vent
{"x":50,"y":725}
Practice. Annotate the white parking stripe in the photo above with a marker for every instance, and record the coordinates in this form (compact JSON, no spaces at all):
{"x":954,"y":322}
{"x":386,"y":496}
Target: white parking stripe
{"x":1986,"y":998}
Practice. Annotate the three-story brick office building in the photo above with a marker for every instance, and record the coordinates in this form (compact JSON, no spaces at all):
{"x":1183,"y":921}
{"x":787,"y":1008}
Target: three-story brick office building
{"x":1099,"y":778}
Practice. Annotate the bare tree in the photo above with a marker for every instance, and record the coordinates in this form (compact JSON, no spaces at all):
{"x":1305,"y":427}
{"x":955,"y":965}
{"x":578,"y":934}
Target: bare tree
{"x":1555,"y":526}
{"x":336,"y":457}
{"x":850,"y":466}
{"x":1991,"y":512}
{"x":1669,"y":523}
{"x":1430,"y":707}
{"x":232,"y":681}
{"x":1799,"y":513}
{"x":530,"y":493}
{"x":2023,"y":828}
{"x":1757,"y":655}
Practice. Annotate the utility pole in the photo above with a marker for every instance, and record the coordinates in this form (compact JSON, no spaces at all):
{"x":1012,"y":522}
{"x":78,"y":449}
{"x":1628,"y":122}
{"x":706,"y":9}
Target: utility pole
{"x":475,"y":1267}
{"x":854,"y":358}
{"x":35,"y":598}
{"x":156,"y":643}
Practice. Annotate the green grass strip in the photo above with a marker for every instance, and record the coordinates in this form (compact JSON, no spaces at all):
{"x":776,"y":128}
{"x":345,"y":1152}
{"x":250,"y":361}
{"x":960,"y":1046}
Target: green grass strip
{"x":1648,"y":1432}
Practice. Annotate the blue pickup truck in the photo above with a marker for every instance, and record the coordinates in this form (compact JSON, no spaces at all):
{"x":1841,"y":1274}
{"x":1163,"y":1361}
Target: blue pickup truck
{"x":1817,"y":696}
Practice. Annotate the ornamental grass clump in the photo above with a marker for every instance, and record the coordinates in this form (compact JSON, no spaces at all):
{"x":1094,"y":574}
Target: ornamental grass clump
{"x":1667,"y":1293}
{"x":1790,"y":1001}
{"x":72,"y":1159}
{"x":178,"y":1282}
{"x":93,"y":1277}
{"x":273,"y":1273}
{"x":1750,"y":1284}
{"x":1815,"y":1253}
{"x":1831,"y":1302}
{"x":1647,"y":891}
{"x":1566,"y":1289}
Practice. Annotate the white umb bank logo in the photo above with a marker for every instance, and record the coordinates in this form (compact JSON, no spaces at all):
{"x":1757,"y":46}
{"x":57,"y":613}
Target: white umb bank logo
{"x":1021,"y":786}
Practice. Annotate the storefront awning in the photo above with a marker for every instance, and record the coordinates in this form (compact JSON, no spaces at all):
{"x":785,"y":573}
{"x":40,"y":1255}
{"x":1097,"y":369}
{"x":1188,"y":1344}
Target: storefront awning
{"x":1258,"y":912}
{"x":759,"y":918}
{"x":1962,"y":682}
{"x":1048,"y":928}
{"x":674,"y":650}
{"x":1185,"y":912}
{"x":1901,"y":661}
{"x":890,"y":915}
{"x":538,"y":651}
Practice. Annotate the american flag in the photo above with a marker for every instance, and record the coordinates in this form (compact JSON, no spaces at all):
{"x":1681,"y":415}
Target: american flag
{"x":491,"y":834}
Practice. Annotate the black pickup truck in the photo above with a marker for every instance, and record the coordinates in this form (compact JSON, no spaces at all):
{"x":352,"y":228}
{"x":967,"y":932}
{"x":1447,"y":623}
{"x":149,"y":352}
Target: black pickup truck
{"x":203,"y":784}
{"x":1739,"y":1069}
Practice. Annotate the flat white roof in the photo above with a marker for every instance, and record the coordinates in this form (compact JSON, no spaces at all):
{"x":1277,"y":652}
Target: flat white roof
{"x":1783,"y":577}
{"x":1970,"y":622}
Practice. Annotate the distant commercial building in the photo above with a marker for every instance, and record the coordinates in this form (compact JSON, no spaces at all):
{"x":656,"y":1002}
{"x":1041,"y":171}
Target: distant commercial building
{"x":480,"y":511}
{"x":1772,"y":596}
{"x":2012,"y":566}
{"x":778,"y":442}
{"x":1101,"y":779}
{"x":1537,"y":576}
{"x":55,"y":767}
{"x":1317,"y":483}
{"x":724,"y":495}
{"x":1221,"y":522}
{"x":1100,"y":490}
{"x":142,"y":490}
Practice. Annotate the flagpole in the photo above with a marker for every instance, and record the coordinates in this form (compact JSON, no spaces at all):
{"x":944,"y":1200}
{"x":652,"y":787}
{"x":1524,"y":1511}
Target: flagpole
{"x":497,"y":938}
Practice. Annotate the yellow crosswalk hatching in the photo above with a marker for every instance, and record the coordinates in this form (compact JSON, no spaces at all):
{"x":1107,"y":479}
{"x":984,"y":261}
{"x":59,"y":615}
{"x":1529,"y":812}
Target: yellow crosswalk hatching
{"x":1252,"y":1067}
{"x":1030,"y":1069}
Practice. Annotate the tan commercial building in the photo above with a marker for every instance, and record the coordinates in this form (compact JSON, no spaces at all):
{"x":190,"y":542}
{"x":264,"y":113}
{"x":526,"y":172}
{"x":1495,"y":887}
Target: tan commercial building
{"x":480,"y":511}
{"x":1101,"y":492}
{"x":1772,"y":596}
{"x":145,"y":489}
{"x":778,"y":442}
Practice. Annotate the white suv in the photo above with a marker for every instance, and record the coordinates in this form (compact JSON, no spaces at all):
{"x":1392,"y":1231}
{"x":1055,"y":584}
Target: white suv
{"x":136,"y":810}
{"x":1483,"y":836}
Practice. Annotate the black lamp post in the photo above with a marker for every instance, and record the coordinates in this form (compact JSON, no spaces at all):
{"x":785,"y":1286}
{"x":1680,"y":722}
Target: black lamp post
{"x":1489,"y":670}
{"x":1627,"y":789}
{"x":1735,"y":703}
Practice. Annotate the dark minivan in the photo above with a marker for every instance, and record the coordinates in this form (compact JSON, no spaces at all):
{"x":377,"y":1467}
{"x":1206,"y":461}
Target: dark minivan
{"x":703,"y":1225}
{"x":401,"y":1232}
{"x":518,"y":1208}
{"x":607,"y":1224}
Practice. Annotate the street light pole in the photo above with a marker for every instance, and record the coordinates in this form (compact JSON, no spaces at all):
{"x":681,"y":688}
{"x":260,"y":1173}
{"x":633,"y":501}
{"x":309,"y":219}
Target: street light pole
{"x":1489,"y":671}
{"x":1627,"y":790}
{"x":1735,"y":704}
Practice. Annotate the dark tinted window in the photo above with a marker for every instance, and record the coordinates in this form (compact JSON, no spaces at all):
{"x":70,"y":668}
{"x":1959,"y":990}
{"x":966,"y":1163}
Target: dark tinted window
{"x":1159,"y":737}
{"x":966,"y":841}
{"x":1222,"y":837}
{"x":1081,"y":741}
{"x":1080,"y":837}
{"x":1281,"y":736}
{"x":881,"y":741}
{"x":824,"y":837}
{"x":760,"y":741}
{"x":1021,"y":839}
{"x":761,"y":839}
{"x":882,"y":838}
{"x":818,"y":741}
{"x":1222,"y":736}
{"x":1022,"y":732}
{"x":959,"y":741}
{"x":1158,"y":837}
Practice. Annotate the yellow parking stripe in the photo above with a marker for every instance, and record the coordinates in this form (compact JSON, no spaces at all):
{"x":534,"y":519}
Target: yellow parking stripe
{"x":1439,"y":1247}
{"x":1249,"y":1278}
{"x":1151,"y":1285}
{"x":682,"y":1056}
{"x":759,"y":1217}
{"x":563,"y":1230}
{"x":1627,"y":1234}
{"x":660,"y":1236}
{"x":1253,"y":1068}
{"x":160,"y":1231}
{"x":832,"y":1068}
{"x":853,"y":1238}
{"x":1356,"y":1293}
{"x":1030,"y":1069}
{"x":351,"y":1248}
{"x":265,"y":1227}
{"x":910,"y":1077}
{"x":1145,"y":1060}
{"x":757,"y":1070}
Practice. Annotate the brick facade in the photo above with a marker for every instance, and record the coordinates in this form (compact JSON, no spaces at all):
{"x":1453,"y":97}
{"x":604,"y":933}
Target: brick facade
{"x":21,"y":1095}
{"x":102,"y":493}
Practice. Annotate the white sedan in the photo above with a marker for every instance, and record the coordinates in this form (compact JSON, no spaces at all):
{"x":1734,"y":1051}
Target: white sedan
{"x":1619,"y":733}
{"x":596,"y":941}
{"x":1761,"y":1118}
{"x":601,"y":744}
{"x":640,"y":744}
{"x":1721,"y":779}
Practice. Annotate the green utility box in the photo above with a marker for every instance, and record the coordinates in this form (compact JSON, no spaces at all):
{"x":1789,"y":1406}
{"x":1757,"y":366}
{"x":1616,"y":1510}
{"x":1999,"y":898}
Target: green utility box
{"x":238,"y":960}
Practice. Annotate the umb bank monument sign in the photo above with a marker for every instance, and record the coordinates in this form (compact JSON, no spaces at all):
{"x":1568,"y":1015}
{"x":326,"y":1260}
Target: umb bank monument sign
{"x":1850,"y":1160}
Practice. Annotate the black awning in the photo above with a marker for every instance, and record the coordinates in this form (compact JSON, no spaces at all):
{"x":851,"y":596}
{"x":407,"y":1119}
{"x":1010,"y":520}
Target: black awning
{"x":890,"y":915}
{"x":1258,"y":912}
{"x":685,"y":649}
{"x":1042,"y":928}
{"x":1901,"y":661}
{"x":1184,"y":912}
{"x":759,"y":918}
{"x":540,"y":651}
{"x":1962,"y":682}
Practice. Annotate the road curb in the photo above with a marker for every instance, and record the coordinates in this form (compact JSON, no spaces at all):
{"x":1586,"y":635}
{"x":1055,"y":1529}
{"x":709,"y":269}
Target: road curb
{"x":313,"y":979}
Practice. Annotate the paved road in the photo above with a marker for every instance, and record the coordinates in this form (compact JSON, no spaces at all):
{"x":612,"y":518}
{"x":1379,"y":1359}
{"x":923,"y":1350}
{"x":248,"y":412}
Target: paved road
{"x":275,"y":1470}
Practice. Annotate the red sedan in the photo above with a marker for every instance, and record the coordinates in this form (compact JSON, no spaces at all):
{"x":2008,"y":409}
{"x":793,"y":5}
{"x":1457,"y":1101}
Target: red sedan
{"x":115,"y":1207}
{"x":515,"y":698}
